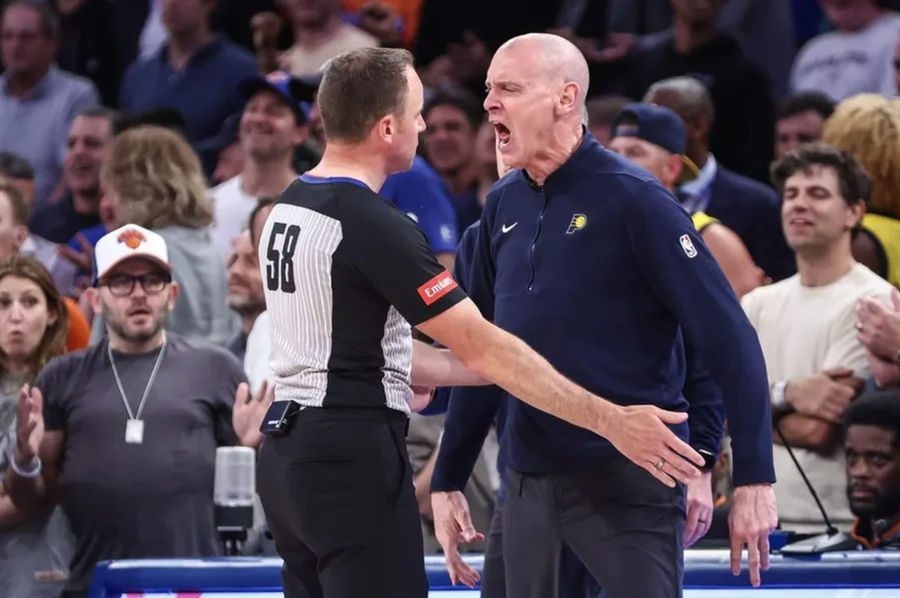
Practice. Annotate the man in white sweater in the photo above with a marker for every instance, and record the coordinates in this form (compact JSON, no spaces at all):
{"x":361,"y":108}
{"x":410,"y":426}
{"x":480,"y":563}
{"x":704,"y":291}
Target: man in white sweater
{"x":807,"y":329}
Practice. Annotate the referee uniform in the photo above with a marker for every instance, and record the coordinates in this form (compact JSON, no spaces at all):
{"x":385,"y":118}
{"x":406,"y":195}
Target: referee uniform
{"x":345,"y":273}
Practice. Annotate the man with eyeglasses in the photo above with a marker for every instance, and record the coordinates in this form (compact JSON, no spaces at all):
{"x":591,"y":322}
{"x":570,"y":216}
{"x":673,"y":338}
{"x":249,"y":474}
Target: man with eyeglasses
{"x":138,"y":417}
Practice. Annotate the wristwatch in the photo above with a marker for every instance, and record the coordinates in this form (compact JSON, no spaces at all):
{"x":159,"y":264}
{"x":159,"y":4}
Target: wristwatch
{"x":778,"y":401}
{"x":709,"y":460}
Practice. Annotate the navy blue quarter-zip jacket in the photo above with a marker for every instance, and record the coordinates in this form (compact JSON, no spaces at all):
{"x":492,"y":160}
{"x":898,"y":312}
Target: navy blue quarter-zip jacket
{"x":471,"y":410}
{"x":601,"y":271}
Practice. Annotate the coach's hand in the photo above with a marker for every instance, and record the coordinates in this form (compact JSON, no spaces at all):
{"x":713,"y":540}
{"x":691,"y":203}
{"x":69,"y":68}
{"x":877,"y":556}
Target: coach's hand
{"x":639,"y":432}
{"x":753,"y":517}
{"x":453,"y":526}
{"x":699,"y":509}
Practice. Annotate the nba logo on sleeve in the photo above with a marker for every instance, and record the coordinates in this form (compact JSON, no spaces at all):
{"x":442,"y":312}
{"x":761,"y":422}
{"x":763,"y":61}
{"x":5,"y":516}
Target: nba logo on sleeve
{"x":437,"y":287}
{"x":688,"y":246}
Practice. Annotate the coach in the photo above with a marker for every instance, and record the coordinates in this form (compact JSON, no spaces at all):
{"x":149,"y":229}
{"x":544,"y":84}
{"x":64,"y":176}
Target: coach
{"x":592,"y":262}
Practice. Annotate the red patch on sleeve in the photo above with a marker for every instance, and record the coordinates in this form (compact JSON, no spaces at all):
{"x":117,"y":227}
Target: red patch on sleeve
{"x":437,"y":287}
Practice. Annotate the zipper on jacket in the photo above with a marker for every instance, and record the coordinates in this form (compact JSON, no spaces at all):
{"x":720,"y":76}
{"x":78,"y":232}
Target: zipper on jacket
{"x":534,"y":241}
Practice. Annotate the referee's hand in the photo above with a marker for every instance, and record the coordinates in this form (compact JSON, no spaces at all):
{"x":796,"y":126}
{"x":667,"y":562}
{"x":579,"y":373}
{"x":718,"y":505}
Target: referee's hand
{"x":453,"y":526}
{"x":639,"y":432}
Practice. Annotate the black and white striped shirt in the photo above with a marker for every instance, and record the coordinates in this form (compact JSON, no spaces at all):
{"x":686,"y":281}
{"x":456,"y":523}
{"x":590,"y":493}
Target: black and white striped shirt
{"x":345,"y":273}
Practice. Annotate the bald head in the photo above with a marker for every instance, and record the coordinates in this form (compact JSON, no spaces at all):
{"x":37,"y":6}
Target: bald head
{"x":684,"y":95}
{"x":557,"y":59}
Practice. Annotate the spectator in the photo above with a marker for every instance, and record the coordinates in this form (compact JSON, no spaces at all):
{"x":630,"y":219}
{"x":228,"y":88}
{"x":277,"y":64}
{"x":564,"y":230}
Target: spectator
{"x":486,"y":155}
{"x":805,"y":324}
{"x":800,"y":119}
{"x":225,"y":147}
{"x":740,"y":93}
{"x":856,"y":58}
{"x":272,"y":126}
{"x":37,"y":100}
{"x":196,"y":72}
{"x":140,"y":392}
{"x":452,"y":118}
{"x":602,"y":111}
{"x":13,"y":234}
{"x":748,"y":208}
{"x":16,"y":171}
{"x":318,"y":31}
{"x":155,"y":181}
{"x":872,"y":445}
{"x":763,"y":28}
{"x":33,"y":554}
{"x":392,"y":22}
{"x":868,"y":126}
{"x":421,"y":194}
{"x":245,"y":291}
{"x":654,"y":138}
{"x":87,"y":45}
{"x":256,"y":357}
{"x":879,"y":332}
{"x":87,"y":148}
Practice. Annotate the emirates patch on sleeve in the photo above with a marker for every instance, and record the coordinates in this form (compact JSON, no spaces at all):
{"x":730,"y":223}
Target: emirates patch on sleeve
{"x":437,"y":287}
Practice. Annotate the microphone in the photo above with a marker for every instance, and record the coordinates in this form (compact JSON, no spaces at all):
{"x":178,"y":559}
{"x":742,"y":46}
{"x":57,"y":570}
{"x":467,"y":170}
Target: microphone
{"x":833,"y":539}
{"x":234,"y":492}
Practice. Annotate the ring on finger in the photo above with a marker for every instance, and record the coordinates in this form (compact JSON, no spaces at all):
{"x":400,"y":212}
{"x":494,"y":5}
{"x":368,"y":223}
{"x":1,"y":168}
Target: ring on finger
{"x":659,"y":464}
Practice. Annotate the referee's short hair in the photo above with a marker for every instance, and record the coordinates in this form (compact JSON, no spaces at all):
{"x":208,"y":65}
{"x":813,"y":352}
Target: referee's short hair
{"x":360,"y":87}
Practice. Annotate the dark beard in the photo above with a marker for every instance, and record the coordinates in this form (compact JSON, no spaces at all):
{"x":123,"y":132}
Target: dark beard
{"x":122,"y":331}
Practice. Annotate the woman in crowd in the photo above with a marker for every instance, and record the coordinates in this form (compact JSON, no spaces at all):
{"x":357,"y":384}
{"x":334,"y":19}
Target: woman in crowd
{"x":155,"y":180}
{"x":34,"y":554}
{"x":868,"y":126}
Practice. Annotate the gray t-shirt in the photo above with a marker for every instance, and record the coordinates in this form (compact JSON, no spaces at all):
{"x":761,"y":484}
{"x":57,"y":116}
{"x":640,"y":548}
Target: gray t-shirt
{"x":153,"y":499}
{"x":34,"y":555}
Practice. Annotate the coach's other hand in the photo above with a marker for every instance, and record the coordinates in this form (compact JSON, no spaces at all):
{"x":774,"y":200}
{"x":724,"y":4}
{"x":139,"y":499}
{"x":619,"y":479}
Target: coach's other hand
{"x":752,"y":518}
{"x":639,"y":432}
{"x":453,"y":526}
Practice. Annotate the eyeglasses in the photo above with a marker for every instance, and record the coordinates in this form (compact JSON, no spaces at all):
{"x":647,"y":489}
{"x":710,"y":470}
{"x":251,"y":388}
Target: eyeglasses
{"x":123,"y":284}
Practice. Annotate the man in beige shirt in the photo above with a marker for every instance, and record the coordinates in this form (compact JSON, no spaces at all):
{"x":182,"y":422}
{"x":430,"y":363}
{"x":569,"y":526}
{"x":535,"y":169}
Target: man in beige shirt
{"x":806,"y":327}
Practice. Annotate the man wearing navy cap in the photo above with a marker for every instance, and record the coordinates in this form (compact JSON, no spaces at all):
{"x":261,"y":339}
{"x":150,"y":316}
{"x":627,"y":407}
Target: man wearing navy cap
{"x":594,"y":264}
{"x":654,"y":138}
{"x":273,"y":124}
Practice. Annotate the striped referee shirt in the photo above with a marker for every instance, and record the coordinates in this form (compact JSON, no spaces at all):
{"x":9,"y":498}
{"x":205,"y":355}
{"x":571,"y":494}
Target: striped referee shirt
{"x":345,"y":274}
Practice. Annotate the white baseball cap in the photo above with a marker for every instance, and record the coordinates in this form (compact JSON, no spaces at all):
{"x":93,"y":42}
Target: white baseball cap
{"x":127,"y":242}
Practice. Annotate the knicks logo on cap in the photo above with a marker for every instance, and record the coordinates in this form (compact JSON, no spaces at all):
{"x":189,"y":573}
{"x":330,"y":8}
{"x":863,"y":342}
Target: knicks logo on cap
{"x":579,"y":221}
{"x":437,"y":287}
{"x":687,"y":246}
{"x":132,"y":238}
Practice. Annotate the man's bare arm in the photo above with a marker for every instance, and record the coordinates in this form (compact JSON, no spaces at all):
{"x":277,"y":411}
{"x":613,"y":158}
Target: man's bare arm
{"x":432,"y":366}
{"x":804,"y":431}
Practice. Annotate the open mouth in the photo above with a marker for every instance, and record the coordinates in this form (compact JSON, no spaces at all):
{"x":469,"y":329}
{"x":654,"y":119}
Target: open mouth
{"x":503,"y":135}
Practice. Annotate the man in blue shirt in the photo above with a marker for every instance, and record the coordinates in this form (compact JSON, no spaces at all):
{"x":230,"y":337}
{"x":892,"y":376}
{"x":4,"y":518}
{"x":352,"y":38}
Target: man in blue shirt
{"x":197,"y":72}
{"x":421,"y":195}
{"x":593,"y":263}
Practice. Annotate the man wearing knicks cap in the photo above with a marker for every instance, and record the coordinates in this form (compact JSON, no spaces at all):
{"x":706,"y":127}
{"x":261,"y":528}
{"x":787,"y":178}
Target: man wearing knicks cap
{"x":136,"y":419}
{"x":272,"y":126}
{"x":654,"y":138}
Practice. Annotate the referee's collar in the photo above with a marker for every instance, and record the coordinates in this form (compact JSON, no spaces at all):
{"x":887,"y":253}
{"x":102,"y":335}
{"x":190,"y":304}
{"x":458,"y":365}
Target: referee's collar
{"x":321,"y":180}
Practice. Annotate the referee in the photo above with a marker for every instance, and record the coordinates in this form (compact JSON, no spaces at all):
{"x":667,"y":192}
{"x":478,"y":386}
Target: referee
{"x":346,"y":273}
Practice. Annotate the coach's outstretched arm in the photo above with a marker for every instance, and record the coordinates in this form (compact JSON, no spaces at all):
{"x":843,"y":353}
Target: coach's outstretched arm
{"x":639,"y":432}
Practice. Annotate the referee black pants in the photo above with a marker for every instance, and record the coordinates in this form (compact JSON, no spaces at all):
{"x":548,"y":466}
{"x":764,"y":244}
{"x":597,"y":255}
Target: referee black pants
{"x":623,"y":525}
{"x":338,"y":497}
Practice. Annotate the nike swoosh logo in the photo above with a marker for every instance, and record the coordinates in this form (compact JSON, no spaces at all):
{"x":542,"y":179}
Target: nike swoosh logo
{"x":505,"y":229}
